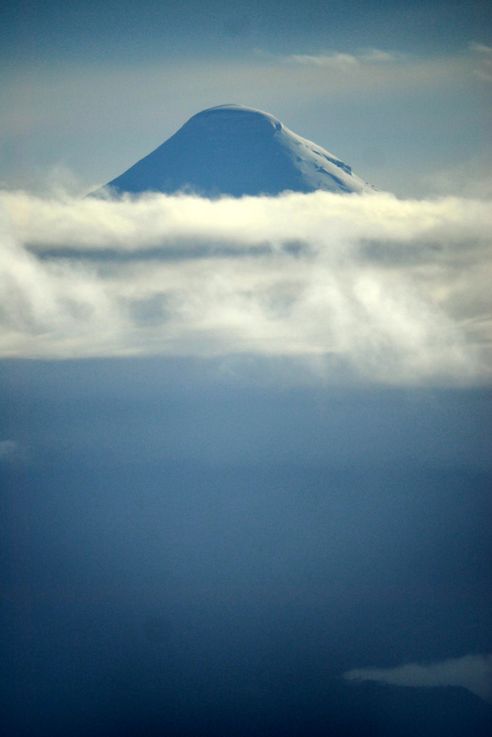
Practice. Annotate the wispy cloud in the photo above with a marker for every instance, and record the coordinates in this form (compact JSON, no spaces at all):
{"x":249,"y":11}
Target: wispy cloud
{"x":9,"y":450}
{"x":473,"y":672}
{"x":342,"y":60}
{"x":381,"y":68}
{"x":483,"y":60}
{"x":379,"y":288}
{"x":480,"y":48}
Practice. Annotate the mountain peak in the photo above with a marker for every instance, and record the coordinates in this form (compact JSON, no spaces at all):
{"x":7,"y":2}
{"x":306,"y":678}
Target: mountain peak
{"x":237,"y":150}
{"x":234,"y":112}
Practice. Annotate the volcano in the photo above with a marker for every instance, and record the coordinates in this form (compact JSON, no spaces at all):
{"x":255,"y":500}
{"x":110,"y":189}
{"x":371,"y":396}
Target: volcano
{"x":236,"y":150}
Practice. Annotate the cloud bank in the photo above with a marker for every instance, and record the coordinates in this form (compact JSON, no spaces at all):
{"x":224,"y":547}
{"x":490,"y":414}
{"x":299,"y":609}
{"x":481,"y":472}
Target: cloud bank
{"x":473,"y":672}
{"x":369,"y":287}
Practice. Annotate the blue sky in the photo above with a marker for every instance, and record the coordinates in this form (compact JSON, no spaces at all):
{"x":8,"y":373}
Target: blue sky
{"x":401,"y":92}
{"x":52,"y":31}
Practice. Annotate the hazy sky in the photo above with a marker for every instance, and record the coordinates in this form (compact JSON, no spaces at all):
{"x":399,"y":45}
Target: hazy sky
{"x":400,"y":91}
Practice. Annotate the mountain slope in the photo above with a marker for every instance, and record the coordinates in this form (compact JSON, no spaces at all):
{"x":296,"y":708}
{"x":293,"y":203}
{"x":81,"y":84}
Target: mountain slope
{"x":237,"y":150}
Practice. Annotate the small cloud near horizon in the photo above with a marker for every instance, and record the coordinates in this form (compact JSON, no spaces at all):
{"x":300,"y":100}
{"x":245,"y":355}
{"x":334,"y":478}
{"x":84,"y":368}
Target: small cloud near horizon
{"x":473,"y":672}
{"x":9,"y":450}
{"x":342,"y":60}
{"x":483,"y":57}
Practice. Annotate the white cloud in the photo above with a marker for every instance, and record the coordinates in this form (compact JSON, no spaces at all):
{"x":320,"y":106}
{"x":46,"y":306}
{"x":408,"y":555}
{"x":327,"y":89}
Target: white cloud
{"x":340,"y":60}
{"x":378,"y":55}
{"x":376,"y":70}
{"x":335,"y":60}
{"x":9,"y":450}
{"x":371,"y":286}
{"x":480,"y":48}
{"x":473,"y":672}
{"x":483,"y":57}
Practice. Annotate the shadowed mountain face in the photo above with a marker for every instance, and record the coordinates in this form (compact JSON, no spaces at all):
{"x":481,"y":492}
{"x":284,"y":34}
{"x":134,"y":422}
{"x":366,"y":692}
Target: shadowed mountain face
{"x":237,"y":150}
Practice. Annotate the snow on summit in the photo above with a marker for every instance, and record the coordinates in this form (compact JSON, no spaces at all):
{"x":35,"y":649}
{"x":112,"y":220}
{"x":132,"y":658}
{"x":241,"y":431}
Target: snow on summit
{"x":237,"y":150}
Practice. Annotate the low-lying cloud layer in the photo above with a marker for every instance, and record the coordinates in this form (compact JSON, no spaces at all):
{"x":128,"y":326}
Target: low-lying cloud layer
{"x":473,"y":672}
{"x":370,"y":286}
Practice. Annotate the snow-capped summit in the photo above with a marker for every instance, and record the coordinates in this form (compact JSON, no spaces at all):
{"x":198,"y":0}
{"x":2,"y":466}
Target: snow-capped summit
{"x":237,"y":150}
